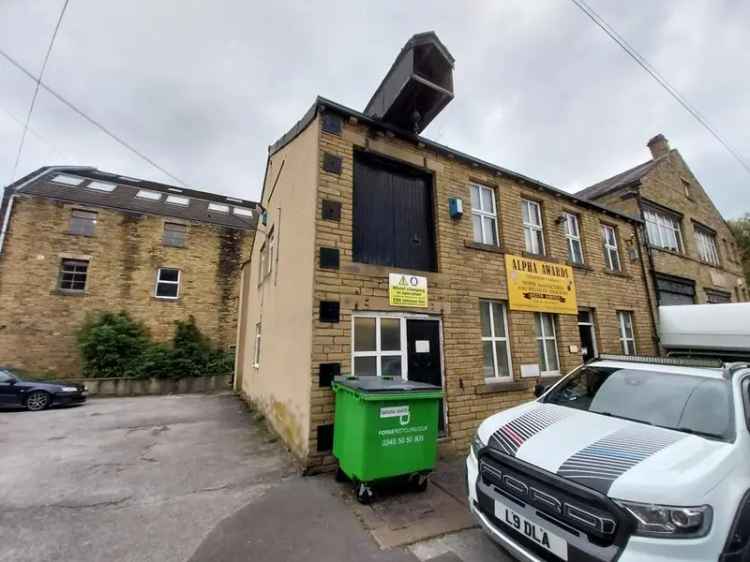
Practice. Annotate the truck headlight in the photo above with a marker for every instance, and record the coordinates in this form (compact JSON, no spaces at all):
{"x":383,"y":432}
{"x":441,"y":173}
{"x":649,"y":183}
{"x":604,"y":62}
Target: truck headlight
{"x":669,"y":521}
{"x":476,"y":445}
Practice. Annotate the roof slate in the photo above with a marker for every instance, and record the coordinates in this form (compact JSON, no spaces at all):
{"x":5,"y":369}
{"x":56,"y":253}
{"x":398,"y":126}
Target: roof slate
{"x":123,"y":197}
{"x":623,"y":179}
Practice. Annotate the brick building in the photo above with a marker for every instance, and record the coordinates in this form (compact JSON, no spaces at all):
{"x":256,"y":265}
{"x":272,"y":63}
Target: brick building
{"x":76,"y":240}
{"x":356,"y":204}
{"x":691,"y":254}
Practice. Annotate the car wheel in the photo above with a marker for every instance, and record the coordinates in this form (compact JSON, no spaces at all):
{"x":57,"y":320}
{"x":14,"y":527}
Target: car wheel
{"x":37,"y":400}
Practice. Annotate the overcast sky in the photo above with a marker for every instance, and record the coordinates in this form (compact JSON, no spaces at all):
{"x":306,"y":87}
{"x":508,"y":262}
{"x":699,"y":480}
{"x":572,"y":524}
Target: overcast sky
{"x":203,"y":87}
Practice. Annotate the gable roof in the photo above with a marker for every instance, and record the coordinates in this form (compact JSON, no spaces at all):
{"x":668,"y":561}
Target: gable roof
{"x":123,"y":196}
{"x":322,"y":104}
{"x":623,"y":179}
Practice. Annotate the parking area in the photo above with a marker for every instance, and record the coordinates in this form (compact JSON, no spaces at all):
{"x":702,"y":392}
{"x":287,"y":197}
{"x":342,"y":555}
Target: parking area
{"x":129,"y":478}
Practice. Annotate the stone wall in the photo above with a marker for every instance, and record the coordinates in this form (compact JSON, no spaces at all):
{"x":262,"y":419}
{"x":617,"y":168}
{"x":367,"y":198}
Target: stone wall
{"x":466,"y":273}
{"x":38,"y":322}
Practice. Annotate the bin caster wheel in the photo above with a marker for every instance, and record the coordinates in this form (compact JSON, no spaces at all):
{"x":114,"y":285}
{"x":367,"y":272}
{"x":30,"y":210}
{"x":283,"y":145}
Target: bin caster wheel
{"x":364,"y":494}
{"x":340,"y":475}
{"x":419,"y":482}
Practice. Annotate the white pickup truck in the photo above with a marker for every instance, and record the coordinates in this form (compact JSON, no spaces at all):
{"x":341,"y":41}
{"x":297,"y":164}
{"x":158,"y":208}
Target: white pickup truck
{"x":634,"y":459}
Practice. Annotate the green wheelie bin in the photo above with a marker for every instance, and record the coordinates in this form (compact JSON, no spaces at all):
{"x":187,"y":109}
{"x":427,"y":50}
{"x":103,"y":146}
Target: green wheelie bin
{"x":384,"y":427}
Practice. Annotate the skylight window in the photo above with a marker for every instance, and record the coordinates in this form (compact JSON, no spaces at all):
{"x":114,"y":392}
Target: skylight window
{"x":67,"y":180}
{"x":150,"y":195}
{"x":178,"y":200}
{"x":174,"y":189}
{"x":102,"y":186}
{"x":233,"y":200}
{"x":241,"y":211}
{"x":218,"y":207}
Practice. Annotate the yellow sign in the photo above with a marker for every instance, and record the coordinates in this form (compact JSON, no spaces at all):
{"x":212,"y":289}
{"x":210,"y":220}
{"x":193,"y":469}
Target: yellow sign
{"x":407,"y":290}
{"x":540,"y":286}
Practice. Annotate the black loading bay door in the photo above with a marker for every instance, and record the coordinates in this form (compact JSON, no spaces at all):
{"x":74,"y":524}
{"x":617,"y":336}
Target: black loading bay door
{"x":423,"y":356}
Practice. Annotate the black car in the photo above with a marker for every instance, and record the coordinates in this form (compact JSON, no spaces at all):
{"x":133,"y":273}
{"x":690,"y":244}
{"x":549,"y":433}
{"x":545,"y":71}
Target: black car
{"x":37,"y":395}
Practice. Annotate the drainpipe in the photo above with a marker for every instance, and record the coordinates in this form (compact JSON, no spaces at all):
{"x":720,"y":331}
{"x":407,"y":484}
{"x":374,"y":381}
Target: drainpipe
{"x":643,"y":243}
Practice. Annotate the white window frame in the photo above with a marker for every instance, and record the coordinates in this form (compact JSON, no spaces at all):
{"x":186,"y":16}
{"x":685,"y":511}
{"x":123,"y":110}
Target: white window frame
{"x":627,"y":344}
{"x":609,"y":247}
{"x":534,"y":229}
{"x":158,"y":281}
{"x":572,"y":230}
{"x":256,"y":352}
{"x":544,"y":337}
{"x":378,"y":353}
{"x":658,"y":226}
{"x":490,"y":214}
{"x":705,"y":242}
{"x":494,"y":338}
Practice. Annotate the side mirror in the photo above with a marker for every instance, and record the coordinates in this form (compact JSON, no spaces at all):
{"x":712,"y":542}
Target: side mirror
{"x":539,"y":389}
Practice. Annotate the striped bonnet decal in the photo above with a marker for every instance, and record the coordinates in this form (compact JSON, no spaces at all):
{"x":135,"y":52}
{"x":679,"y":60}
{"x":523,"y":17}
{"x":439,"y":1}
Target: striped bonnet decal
{"x":601,"y":463}
{"x":509,"y":437}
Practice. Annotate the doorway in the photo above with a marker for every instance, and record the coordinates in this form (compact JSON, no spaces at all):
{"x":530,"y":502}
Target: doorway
{"x":399,"y":344}
{"x":423,"y":356}
{"x":587,"y":332}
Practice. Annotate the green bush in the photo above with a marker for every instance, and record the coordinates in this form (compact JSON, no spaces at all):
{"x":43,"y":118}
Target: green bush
{"x":114,"y":345}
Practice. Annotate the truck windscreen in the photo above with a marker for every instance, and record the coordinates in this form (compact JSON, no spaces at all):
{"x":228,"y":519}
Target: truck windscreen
{"x":691,"y":404}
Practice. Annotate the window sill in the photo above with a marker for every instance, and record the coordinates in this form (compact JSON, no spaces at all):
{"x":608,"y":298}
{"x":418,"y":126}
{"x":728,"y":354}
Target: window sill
{"x":540,"y":257}
{"x":499,"y":249}
{"x":80,"y":234}
{"x":64,"y":293}
{"x":491,"y":386}
{"x":167,"y":299}
{"x":617,"y":273}
{"x":581,"y":266}
{"x":166,"y":245}
{"x":668,"y":251}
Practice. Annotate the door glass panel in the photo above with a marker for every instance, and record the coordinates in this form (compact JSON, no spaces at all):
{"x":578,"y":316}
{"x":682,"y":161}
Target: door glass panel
{"x":390,"y":334}
{"x":548,"y":330}
{"x":540,"y":350}
{"x":391,"y":365}
{"x":489,"y":368}
{"x":364,"y":334}
{"x":502,"y":359}
{"x":551,"y":356}
{"x":365,"y":366}
{"x":497,"y":318}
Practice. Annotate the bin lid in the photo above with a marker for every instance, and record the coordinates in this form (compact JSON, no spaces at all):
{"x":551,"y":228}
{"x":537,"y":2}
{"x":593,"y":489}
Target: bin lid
{"x":384,"y":384}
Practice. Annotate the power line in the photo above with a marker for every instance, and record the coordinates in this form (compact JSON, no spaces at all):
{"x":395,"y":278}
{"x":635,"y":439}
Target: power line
{"x":36,"y":88}
{"x":617,"y":38}
{"x":91,"y":120}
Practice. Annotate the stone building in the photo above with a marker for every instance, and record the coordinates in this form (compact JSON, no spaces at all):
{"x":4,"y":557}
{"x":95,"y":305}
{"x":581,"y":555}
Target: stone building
{"x":691,"y":254}
{"x":385,"y":253}
{"x":76,"y":240}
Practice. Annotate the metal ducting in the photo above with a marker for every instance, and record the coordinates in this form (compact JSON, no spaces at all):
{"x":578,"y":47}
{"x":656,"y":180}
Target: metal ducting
{"x":418,"y":85}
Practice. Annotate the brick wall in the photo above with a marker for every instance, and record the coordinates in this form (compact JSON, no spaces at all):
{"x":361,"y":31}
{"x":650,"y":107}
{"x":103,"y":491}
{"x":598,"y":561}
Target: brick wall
{"x":465,"y":275}
{"x":38,"y":322}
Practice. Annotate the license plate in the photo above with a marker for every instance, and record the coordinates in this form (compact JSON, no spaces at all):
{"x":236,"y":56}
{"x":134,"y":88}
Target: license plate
{"x":536,"y":533}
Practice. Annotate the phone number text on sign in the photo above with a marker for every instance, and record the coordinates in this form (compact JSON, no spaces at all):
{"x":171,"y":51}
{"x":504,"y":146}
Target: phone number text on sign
{"x":402,"y":435}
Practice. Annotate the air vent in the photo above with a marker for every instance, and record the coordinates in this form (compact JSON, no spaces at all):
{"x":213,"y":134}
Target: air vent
{"x":178,"y":200}
{"x":218,"y":207}
{"x":147,"y":194}
{"x":67,"y":180}
{"x":101,"y":186}
{"x":418,"y":85}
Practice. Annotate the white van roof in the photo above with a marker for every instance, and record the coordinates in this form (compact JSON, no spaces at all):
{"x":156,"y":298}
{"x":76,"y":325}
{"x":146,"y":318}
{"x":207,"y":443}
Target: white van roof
{"x":705,"y":327}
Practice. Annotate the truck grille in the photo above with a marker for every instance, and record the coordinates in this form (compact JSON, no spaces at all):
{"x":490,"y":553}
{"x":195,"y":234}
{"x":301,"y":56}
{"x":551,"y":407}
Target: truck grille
{"x":566,"y":504}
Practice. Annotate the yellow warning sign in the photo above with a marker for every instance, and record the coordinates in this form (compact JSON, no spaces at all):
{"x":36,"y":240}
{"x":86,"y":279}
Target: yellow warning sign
{"x":540,"y":286}
{"x":407,"y":290}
